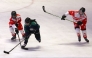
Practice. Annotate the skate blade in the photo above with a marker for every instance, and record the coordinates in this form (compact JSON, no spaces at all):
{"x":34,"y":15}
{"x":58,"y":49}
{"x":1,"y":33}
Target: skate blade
{"x":24,"y":48}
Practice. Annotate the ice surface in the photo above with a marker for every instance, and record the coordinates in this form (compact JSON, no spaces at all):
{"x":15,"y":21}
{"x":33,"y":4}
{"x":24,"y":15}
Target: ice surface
{"x":58,"y":37}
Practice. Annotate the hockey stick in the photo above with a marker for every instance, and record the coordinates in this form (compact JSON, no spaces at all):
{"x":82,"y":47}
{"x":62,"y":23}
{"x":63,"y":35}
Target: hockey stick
{"x":43,"y":7}
{"x":7,"y":52}
{"x":19,"y":39}
{"x":20,"y":44}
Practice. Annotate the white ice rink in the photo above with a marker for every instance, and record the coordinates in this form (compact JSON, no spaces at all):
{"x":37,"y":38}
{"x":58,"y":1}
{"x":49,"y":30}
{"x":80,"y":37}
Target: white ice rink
{"x":59,"y":39}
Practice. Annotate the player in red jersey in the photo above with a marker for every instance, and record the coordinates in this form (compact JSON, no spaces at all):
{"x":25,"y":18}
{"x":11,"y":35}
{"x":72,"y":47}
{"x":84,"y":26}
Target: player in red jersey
{"x":79,"y":20}
{"x":15,"y":25}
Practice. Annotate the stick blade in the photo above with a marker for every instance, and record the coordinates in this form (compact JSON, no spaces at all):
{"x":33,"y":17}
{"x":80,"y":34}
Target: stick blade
{"x":43,"y":7}
{"x":6,"y":52}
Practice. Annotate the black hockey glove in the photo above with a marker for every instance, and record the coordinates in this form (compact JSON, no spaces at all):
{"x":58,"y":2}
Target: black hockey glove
{"x":79,"y":22}
{"x":16,"y":30}
{"x":63,"y":17}
{"x":16,"y":24}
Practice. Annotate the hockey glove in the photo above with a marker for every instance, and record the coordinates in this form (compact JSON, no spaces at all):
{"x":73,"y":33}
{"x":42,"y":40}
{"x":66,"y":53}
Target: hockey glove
{"x":63,"y":17}
{"x":79,"y":22}
{"x":16,"y":24}
{"x":16,"y":30}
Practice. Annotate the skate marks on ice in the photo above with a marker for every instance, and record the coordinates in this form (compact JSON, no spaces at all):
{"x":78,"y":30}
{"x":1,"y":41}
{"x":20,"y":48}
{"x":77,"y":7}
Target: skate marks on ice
{"x":14,"y":5}
{"x":78,"y":44}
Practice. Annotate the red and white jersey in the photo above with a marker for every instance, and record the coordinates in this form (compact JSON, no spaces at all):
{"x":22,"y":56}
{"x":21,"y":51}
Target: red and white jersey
{"x":12,"y":21}
{"x":77,"y":17}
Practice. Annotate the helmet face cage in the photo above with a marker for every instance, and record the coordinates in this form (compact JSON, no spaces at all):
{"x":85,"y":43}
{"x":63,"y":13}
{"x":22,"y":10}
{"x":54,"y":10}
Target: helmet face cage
{"x":82,"y":10}
{"x":13,"y":14}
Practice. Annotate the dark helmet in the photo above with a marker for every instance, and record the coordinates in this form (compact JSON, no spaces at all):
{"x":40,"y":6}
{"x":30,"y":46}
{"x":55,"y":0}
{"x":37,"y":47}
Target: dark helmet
{"x":13,"y":13}
{"x":27,"y":20}
{"x":82,"y":9}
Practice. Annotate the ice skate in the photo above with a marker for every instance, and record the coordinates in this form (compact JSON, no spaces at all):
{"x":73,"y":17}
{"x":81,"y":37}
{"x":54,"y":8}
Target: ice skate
{"x":23,"y":47}
{"x":86,"y":40}
{"x":13,"y":38}
{"x":39,"y":41}
{"x":79,"y":38}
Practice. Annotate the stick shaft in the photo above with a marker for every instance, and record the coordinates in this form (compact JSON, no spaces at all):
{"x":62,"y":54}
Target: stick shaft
{"x":19,"y":39}
{"x":43,"y":7}
{"x":16,"y":45}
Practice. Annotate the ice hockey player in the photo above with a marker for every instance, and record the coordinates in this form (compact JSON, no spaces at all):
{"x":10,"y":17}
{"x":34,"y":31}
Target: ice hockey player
{"x":79,"y":20}
{"x":31,"y":27}
{"x":15,"y":25}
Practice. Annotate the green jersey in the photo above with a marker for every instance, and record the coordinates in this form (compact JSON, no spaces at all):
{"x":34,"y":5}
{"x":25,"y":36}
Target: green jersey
{"x":33,"y":25}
